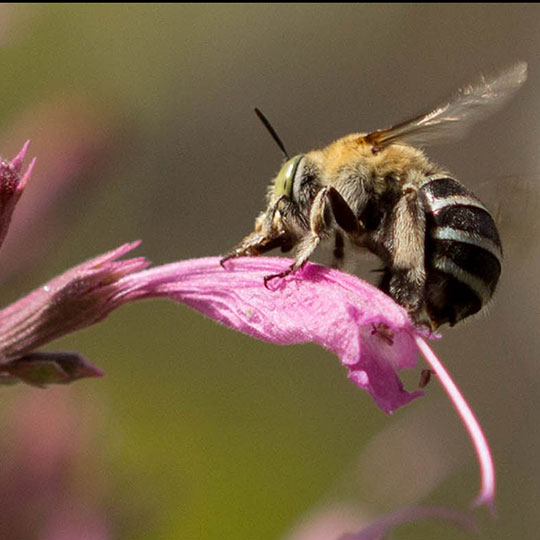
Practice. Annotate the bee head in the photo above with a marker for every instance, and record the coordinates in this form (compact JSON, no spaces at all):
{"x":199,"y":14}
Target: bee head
{"x":290,"y":196}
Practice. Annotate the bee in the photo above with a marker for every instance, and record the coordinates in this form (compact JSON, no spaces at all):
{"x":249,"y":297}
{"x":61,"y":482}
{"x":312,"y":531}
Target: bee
{"x":439,"y":245}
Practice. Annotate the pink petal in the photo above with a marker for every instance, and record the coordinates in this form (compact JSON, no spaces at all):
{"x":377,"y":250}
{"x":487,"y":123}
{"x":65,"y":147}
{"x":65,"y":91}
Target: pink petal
{"x":370,"y":333}
{"x":18,"y":160}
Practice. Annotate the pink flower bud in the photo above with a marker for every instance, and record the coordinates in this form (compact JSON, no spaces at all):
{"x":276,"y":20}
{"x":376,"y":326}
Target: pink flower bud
{"x":12,"y":184}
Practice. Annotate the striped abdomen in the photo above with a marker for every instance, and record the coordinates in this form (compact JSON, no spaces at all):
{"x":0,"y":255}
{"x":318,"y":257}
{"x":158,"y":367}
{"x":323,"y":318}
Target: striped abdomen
{"x":463,"y":251}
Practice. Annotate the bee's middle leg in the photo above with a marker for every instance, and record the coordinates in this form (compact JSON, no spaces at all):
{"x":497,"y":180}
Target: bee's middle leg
{"x":317,"y":228}
{"x":328,"y":203}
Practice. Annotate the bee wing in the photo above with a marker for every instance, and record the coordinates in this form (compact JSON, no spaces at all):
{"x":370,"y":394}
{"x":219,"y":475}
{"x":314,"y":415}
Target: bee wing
{"x":452,"y":119}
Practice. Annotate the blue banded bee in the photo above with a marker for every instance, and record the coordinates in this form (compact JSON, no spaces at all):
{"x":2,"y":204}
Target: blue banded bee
{"x":438,"y":243}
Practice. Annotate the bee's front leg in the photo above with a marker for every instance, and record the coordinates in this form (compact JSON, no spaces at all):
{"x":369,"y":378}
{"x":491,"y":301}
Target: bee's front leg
{"x":327,"y":203}
{"x":255,"y":244}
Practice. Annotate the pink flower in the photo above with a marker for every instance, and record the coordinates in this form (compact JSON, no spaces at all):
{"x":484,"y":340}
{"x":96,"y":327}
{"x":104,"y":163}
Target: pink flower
{"x":50,"y":475}
{"x":370,"y":333}
{"x":12,"y":185}
{"x":367,"y":330}
{"x":329,"y":522}
{"x":379,"y":529}
{"x":78,"y":298}
{"x":71,"y":138}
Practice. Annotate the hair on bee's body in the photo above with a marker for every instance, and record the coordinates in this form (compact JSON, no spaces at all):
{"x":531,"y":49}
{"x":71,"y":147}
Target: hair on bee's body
{"x":438,"y":243}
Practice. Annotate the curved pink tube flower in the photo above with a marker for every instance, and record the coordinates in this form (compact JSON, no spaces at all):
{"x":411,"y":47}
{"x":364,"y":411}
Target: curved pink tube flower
{"x":366,"y":329}
{"x":370,"y":333}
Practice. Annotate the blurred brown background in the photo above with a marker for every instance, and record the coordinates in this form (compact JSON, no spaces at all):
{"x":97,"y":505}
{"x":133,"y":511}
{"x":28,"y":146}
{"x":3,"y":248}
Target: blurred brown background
{"x":141,"y":119}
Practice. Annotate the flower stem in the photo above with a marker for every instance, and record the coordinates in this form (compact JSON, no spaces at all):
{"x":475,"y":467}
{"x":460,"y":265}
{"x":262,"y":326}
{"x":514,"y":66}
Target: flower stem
{"x":481,"y":446}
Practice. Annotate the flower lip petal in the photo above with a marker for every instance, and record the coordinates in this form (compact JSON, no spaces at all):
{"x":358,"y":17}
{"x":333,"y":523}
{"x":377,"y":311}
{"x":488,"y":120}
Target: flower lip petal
{"x":316,"y":304}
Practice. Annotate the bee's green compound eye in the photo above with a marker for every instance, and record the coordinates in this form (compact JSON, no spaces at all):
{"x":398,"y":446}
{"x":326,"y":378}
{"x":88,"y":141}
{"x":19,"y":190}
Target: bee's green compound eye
{"x":284,"y":181}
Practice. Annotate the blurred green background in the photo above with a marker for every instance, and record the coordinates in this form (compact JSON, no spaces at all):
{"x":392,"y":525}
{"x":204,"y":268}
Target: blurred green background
{"x":141,"y":119}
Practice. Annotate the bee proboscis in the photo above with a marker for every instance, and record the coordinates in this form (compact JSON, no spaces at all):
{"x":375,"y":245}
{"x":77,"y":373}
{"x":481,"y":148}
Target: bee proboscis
{"x":438,"y":243}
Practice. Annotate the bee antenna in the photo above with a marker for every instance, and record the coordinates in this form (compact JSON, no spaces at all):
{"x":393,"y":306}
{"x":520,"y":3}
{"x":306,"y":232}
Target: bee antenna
{"x":272,"y":131}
